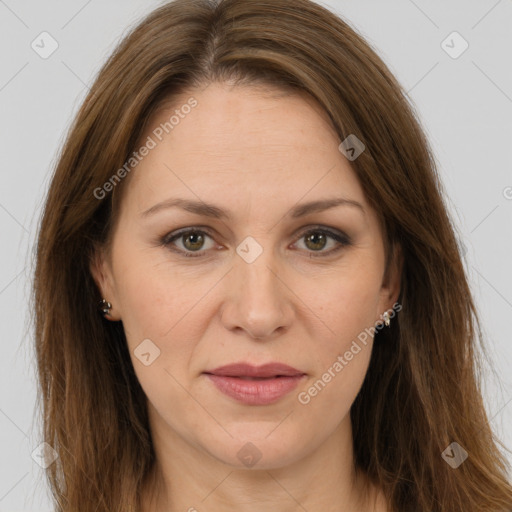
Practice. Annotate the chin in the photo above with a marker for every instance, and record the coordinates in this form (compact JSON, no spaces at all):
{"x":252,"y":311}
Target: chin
{"x":255,"y":448}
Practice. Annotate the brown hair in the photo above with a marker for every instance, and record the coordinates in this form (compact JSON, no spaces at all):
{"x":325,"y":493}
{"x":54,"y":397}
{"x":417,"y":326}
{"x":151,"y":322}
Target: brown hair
{"x":93,"y":408}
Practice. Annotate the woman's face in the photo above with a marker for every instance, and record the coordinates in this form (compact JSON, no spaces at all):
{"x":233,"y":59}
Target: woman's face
{"x":260,"y":278}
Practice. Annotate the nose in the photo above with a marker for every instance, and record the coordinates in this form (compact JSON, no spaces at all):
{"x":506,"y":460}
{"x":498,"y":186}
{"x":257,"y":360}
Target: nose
{"x":257,"y":300}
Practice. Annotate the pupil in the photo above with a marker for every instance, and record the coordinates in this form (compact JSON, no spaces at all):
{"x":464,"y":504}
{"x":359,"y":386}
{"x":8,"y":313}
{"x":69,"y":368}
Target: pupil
{"x":317,"y":236}
{"x":196,"y":235}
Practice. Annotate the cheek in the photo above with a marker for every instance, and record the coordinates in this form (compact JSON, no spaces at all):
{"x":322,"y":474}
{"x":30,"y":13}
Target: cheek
{"x":343,"y":355}
{"x":166,"y":306}
{"x":331,"y":393}
{"x":346,"y":312}
{"x":154,"y":294}
{"x":345,"y":306}
{"x":160,"y":321}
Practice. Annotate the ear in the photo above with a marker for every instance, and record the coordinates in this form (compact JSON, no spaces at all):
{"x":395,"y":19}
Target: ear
{"x":391,"y":283}
{"x":101,"y":271}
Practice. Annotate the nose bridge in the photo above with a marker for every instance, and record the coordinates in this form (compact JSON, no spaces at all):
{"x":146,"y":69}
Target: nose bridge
{"x":260,"y":301}
{"x":256,"y":266}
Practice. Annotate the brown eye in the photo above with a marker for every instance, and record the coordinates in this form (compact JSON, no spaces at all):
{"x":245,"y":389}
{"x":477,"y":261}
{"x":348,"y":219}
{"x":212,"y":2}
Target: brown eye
{"x":192,"y":241}
{"x":317,"y":240}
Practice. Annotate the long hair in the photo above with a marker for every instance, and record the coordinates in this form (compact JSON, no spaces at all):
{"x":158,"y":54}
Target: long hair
{"x":422,"y":389}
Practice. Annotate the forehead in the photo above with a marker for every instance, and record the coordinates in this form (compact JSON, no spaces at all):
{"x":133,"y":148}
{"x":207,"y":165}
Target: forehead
{"x":241,"y":145}
{"x":236,"y":120}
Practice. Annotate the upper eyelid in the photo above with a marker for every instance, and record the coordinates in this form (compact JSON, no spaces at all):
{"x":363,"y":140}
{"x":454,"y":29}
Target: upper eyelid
{"x":331,"y":232}
{"x":211,"y":232}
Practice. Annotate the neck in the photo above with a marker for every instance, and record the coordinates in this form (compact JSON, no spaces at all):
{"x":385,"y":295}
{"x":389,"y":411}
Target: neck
{"x":187,"y":479}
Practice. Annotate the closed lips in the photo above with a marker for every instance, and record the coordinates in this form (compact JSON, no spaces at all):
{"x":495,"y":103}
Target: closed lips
{"x":249,"y":372}
{"x":255,"y":385}
{"x":244,"y":377}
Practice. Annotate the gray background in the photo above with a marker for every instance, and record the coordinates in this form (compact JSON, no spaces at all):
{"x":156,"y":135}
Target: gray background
{"x":465,"y":105}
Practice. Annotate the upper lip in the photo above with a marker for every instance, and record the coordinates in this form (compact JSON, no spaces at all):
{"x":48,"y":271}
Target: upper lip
{"x":248,"y":370}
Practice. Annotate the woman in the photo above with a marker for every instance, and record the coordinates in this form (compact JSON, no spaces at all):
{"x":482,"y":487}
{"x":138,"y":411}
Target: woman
{"x":284,"y":320}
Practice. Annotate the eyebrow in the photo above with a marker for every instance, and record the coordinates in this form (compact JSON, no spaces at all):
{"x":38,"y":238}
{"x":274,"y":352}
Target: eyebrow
{"x":211,"y":210}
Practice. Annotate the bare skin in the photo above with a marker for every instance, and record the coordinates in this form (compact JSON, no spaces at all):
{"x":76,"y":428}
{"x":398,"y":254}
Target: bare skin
{"x":300,"y":302}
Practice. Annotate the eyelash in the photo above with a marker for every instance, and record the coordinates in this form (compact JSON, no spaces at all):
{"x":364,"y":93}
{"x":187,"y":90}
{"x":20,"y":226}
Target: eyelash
{"x":342,"y":239}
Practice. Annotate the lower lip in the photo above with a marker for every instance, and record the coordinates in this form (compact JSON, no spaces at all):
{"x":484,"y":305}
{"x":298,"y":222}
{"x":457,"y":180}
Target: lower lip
{"x":255,"y":392}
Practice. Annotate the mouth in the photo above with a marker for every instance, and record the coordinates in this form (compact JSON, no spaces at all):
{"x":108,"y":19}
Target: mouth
{"x":244,"y":377}
{"x":248,"y":371}
{"x":255,"y":385}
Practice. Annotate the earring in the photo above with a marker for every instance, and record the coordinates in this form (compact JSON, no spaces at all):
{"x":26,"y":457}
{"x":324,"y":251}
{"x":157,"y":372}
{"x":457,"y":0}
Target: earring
{"x":104,"y":306}
{"x":387,"y":320}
